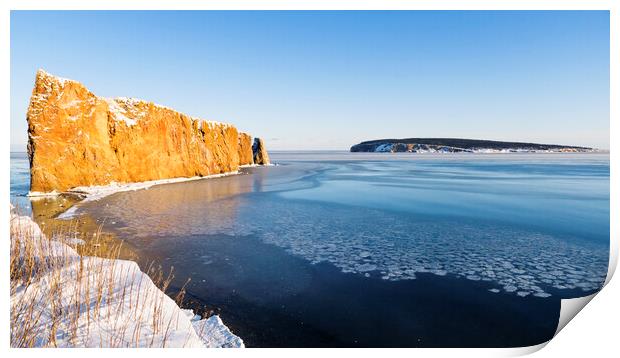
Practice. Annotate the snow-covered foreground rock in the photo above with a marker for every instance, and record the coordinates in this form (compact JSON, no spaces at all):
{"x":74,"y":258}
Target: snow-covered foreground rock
{"x":62,"y":299}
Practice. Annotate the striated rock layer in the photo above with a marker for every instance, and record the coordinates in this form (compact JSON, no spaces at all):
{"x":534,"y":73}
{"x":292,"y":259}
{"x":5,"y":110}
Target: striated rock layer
{"x":78,"y":139}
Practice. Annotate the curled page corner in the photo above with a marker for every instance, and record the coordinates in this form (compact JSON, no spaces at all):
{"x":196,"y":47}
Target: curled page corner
{"x":523,"y":351}
{"x":569,"y":309}
{"x":613,"y":261}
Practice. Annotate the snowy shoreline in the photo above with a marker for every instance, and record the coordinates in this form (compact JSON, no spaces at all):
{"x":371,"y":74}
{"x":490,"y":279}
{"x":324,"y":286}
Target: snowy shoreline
{"x":128,"y":318}
{"x":155,"y":306}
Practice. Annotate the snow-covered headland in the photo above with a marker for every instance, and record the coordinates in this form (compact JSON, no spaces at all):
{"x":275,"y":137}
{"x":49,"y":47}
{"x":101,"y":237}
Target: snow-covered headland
{"x":60,"y":298}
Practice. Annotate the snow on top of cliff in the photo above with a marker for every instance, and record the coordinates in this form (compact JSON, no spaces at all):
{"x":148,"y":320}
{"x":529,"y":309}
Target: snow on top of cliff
{"x":121,"y":107}
{"x":120,"y":113}
{"x":211,"y":123}
{"x":47,"y":81}
{"x":124,"y":109}
{"x":58,"y":79}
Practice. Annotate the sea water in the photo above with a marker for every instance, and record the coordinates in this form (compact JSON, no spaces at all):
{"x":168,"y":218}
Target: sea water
{"x":365,"y":249}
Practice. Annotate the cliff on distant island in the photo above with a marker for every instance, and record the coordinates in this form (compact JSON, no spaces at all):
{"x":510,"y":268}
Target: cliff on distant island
{"x":456,"y":145}
{"x":78,"y":139}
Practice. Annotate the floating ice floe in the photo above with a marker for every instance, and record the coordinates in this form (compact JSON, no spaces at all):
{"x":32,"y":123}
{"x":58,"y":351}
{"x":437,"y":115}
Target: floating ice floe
{"x":397,"y":247}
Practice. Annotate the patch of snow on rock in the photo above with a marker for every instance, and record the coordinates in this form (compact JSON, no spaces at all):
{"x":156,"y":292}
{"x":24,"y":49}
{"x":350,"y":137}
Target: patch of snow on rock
{"x":120,"y":113}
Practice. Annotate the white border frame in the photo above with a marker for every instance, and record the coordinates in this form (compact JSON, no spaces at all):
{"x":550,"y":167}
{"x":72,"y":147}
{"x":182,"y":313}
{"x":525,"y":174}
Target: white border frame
{"x":595,"y":331}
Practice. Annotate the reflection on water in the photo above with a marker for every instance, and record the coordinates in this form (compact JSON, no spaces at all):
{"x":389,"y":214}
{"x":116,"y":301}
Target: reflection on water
{"x":193,"y":207}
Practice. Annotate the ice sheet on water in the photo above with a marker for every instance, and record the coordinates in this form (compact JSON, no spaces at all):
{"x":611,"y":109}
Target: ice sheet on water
{"x":393,"y":246}
{"x":358,"y":240}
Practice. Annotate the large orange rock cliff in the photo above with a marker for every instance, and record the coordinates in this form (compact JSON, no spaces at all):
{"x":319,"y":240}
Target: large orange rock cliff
{"x":78,"y":139}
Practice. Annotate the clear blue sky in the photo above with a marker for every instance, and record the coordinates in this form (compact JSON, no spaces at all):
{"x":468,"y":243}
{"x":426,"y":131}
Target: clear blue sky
{"x":327,"y":80}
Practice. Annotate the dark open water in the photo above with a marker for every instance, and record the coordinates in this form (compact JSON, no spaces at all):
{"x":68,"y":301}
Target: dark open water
{"x":364,"y":249}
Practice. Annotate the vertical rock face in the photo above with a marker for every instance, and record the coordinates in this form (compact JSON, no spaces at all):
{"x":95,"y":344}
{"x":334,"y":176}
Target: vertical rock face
{"x":246,"y":156}
{"x":78,"y":139}
{"x":260,"y":153}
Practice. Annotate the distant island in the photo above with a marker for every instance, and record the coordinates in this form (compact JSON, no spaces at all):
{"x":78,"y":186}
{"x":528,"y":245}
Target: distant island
{"x":458,"y":145}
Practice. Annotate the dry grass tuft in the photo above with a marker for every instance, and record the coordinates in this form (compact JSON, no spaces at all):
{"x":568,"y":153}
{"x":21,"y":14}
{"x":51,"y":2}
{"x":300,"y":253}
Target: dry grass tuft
{"x":63,"y":297}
